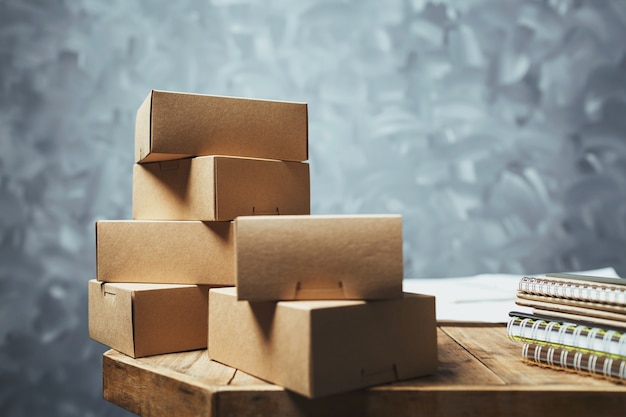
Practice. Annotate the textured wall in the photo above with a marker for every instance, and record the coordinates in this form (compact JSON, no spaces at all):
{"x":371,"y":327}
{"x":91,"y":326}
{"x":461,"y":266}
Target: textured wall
{"x":497,"y":128}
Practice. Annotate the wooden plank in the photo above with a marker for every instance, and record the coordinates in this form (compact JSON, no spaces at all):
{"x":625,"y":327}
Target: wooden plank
{"x":243,"y":379}
{"x":456,"y":366}
{"x":183,"y":362}
{"x":492,"y":347}
{"x":155,"y":387}
{"x":480,"y":374}
{"x":464,"y":386}
{"x":194,"y":369}
{"x":493,"y":402}
{"x":194,"y":366}
{"x":207,"y":371}
{"x":268,"y":401}
{"x":425,"y":401}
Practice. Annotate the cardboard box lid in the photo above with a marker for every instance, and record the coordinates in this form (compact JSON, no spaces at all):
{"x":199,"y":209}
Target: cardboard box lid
{"x":172,"y":125}
{"x":219,"y":188}
{"x":146,"y":319}
{"x":319,"y":257}
{"x":323,"y":347}
{"x":183,"y":252}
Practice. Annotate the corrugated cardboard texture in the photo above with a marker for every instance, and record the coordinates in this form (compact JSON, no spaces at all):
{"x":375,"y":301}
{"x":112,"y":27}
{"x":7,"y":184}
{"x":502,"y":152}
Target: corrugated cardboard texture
{"x":185,"y":252}
{"x":148,"y":319}
{"x":373,"y":343}
{"x":319,"y":257}
{"x":170,"y":320}
{"x":111,"y":316}
{"x":219,"y":188}
{"x":172,"y":125}
{"x":318,"y":348}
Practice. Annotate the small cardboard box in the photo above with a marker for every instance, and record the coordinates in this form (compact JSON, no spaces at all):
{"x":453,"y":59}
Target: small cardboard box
{"x":318,"y":348}
{"x":219,"y":188}
{"x":167,"y":252}
{"x":148,"y":319}
{"x":172,"y":125}
{"x":355,"y":257}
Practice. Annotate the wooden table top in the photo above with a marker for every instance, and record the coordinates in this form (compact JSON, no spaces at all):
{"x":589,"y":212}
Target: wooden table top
{"x":480,"y":374}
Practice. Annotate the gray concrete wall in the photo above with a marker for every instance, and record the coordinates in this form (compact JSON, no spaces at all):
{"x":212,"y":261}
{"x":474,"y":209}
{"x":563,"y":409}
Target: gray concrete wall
{"x":496,"y":127}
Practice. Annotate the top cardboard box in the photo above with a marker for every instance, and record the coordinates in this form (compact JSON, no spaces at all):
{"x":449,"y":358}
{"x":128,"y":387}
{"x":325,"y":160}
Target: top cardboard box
{"x":172,"y":125}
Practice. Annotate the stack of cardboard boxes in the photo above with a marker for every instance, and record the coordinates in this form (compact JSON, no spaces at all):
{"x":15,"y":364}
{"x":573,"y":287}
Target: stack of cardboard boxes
{"x":222,"y":253}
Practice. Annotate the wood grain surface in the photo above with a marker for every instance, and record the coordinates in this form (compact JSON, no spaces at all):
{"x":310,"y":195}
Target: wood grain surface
{"x":480,"y":374}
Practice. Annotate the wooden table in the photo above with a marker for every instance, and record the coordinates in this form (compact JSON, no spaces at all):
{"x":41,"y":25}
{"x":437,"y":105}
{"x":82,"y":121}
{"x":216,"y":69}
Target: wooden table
{"x":480,"y":374}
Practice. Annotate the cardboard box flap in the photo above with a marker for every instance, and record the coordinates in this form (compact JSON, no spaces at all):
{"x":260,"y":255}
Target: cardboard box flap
{"x":380,"y":375}
{"x":319,"y":257}
{"x":143,"y":129}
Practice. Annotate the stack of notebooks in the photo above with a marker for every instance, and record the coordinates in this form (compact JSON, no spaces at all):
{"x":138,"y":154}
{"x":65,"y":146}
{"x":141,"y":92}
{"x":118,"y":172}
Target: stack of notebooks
{"x":223,"y":254}
{"x":577,"y":323}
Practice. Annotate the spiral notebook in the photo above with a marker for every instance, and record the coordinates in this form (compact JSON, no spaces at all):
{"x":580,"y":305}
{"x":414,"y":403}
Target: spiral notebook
{"x":587,"y":288}
{"x":575,"y":361}
{"x":572,"y":312}
{"x":532,"y":299}
{"x":583,"y":336}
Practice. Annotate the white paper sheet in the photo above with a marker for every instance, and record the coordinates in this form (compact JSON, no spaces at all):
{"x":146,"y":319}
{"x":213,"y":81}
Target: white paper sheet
{"x":479,"y":298}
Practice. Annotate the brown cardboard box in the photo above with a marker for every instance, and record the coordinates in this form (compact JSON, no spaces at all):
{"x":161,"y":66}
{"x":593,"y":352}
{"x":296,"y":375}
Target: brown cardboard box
{"x":317,"y":348}
{"x":318,"y":257}
{"x":148,"y":319}
{"x":219,"y":188}
{"x":169,"y":252}
{"x":172,"y":125}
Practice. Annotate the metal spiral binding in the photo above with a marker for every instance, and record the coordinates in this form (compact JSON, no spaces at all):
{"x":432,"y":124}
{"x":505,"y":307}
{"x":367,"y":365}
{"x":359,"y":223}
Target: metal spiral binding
{"x":573,"y":291}
{"x":595,"y":339}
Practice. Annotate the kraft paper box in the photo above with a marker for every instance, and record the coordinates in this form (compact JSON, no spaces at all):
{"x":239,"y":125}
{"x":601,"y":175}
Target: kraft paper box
{"x":318,"y":348}
{"x":148,"y":319}
{"x":172,"y":125}
{"x":318,"y":257}
{"x":167,"y":252}
{"x":219,"y":188}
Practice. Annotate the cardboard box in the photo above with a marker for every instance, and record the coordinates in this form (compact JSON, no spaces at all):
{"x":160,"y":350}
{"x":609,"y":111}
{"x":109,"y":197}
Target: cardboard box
{"x":317,"y":348}
{"x":319,"y":257}
{"x":148,"y":319}
{"x":219,"y":188}
{"x":169,"y":252}
{"x":172,"y":125}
